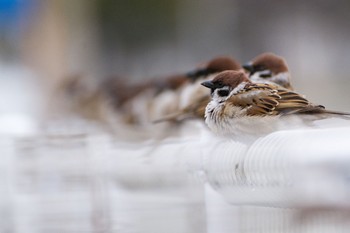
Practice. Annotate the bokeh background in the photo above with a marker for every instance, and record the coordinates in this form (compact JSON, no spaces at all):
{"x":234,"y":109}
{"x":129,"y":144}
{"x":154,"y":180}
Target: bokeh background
{"x":42,"y":42}
{"x":71,"y":177}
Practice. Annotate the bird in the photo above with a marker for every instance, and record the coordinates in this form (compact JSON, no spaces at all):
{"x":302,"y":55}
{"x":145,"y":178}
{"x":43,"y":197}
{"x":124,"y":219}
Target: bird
{"x":193,"y":92}
{"x":135,"y":102}
{"x":269,"y":68}
{"x":193,"y":98}
{"x":75,"y":94}
{"x":154,"y":98}
{"x":239,"y":106}
{"x":166,"y":98}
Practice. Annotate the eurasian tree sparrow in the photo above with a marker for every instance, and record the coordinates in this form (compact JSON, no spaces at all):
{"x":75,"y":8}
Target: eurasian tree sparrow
{"x":214,"y":66}
{"x":193,"y":97}
{"x":166,"y":98}
{"x":79,"y":95}
{"x":269,"y":68}
{"x":239,"y":106}
{"x":138,"y":103}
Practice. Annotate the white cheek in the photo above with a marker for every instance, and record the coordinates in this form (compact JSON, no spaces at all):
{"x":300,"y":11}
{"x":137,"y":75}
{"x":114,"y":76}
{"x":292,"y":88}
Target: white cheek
{"x":255,"y":77}
{"x":281,"y":78}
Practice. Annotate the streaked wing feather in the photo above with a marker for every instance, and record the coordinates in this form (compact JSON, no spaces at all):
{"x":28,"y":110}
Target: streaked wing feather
{"x":257,"y":99}
{"x":269,"y":99}
{"x":292,"y":103}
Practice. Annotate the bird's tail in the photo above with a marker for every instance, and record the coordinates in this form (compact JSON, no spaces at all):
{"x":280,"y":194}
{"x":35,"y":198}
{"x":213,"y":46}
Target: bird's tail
{"x":336,"y":112}
{"x":319,"y":109}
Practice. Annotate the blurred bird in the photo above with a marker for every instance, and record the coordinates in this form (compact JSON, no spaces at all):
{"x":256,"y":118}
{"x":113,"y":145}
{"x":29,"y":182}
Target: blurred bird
{"x":166,"y":98}
{"x":141,"y":103}
{"x":193,"y":98}
{"x":239,"y":106}
{"x":116,"y":97}
{"x":77,"y":95}
{"x":269,"y":68}
{"x":136,"y":102}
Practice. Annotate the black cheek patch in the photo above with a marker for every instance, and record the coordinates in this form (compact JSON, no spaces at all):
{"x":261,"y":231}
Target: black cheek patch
{"x":212,"y":91}
{"x":223,"y":93}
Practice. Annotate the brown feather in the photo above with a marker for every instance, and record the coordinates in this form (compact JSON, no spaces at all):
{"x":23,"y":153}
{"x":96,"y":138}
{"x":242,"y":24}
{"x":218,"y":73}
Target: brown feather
{"x":291,"y":103}
{"x":273,"y":62}
{"x":270,"y":100}
{"x":263,"y":102}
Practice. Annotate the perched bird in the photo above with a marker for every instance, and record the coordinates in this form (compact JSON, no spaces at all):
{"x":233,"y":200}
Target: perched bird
{"x":269,"y":68}
{"x":193,"y":98}
{"x":166,"y":98}
{"x":193,"y":92}
{"x":214,"y":66}
{"x":76,"y":94}
{"x":239,"y":106}
{"x":141,"y":103}
{"x":138,"y":102}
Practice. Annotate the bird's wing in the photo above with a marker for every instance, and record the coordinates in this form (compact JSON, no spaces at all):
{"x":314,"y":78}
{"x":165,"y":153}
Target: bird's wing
{"x":257,"y":99}
{"x":269,"y":99}
{"x":292,"y":102}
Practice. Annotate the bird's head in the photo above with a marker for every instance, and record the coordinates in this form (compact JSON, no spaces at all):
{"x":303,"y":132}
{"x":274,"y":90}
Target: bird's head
{"x":269,"y":67}
{"x":215,"y":65}
{"x":226,"y":84}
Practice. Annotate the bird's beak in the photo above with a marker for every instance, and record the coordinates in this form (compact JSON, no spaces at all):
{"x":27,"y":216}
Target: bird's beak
{"x":249,"y":67}
{"x":208,"y":84}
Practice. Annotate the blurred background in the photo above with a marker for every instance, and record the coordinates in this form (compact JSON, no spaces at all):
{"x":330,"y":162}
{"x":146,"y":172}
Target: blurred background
{"x":42,"y":42}
{"x":69,"y":181}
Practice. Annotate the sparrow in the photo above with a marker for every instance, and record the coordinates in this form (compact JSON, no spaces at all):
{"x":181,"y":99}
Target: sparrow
{"x":239,"y":106}
{"x":193,"y":98}
{"x":166,"y":98}
{"x":269,"y":68}
{"x":135,"y":101}
{"x":124,"y":102}
{"x":214,"y":66}
{"x":76,"y":94}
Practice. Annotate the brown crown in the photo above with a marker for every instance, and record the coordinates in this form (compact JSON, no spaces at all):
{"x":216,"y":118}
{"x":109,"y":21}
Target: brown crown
{"x":274,"y":63}
{"x":230,"y":78}
{"x":223,"y":63}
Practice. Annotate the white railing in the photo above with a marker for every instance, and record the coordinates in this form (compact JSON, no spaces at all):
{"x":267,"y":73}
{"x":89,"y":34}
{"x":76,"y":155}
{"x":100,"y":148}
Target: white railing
{"x":72,"y":181}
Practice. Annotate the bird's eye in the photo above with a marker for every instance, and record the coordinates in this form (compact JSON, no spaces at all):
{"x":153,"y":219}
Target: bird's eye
{"x":223,"y":93}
